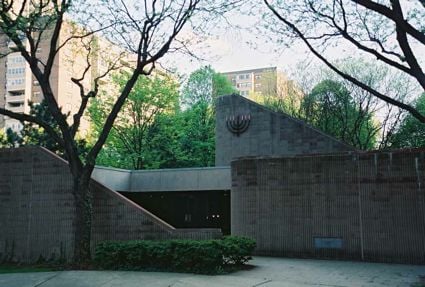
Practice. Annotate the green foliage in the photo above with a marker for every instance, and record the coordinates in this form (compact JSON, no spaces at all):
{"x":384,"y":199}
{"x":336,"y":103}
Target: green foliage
{"x":153,"y":132}
{"x":9,"y":139}
{"x":182,"y":139}
{"x":331,"y":108}
{"x":3,"y":139}
{"x":411,"y":132}
{"x":36,"y":136}
{"x":33,"y":135}
{"x":129,"y":141}
{"x":197,"y":256}
{"x":205,"y":85}
{"x":222,"y":86}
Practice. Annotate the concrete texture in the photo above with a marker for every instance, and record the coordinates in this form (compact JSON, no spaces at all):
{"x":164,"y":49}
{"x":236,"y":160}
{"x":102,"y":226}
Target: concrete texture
{"x":267,"y":272}
{"x":159,"y":180}
{"x":269,"y":133}
{"x":37,"y":210}
{"x":114,"y":178}
{"x":365,"y":205}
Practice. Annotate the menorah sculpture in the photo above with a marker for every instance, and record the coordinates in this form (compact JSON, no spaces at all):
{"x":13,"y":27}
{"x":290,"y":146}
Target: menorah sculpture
{"x":238,"y":124}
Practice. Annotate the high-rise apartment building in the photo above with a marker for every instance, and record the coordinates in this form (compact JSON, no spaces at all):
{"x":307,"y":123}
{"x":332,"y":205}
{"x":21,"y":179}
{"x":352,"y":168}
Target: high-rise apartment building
{"x":261,"y":81}
{"x":18,"y":87}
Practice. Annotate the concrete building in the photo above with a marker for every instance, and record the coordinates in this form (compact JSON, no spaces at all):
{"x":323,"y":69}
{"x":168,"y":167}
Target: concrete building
{"x":260,"y":81}
{"x":295,"y":190}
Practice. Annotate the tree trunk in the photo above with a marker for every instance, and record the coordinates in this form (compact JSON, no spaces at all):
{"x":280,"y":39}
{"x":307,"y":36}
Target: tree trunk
{"x":83,"y":220}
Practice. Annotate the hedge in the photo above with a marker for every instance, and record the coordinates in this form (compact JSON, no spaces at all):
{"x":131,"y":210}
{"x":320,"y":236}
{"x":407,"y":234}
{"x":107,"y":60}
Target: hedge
{"x":197,"y":256}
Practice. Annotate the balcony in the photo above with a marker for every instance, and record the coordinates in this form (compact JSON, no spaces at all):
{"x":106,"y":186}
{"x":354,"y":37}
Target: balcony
{"x":16,"y":109}
{"x":16,"y":106}
{"x":15,"y":98}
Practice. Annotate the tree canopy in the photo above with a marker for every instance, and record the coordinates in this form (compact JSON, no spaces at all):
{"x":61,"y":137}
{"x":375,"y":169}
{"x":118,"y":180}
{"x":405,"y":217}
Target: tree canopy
{"x":129,"y":139}
{"x":205,"y":85}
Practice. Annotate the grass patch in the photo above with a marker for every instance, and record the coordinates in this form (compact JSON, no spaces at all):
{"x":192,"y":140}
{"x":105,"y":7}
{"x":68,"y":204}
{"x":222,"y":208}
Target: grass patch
{"x":14,"y":268}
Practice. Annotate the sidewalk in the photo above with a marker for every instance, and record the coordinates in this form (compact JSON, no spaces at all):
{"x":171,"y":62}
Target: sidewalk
{"x":268,"y":272}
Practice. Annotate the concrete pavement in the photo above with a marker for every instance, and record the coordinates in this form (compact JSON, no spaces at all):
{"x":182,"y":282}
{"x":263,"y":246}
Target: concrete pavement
{"x":267,"y":272}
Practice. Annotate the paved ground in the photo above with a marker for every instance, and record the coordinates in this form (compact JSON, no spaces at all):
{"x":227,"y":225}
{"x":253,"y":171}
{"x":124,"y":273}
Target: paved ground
{"x":268,"y":272}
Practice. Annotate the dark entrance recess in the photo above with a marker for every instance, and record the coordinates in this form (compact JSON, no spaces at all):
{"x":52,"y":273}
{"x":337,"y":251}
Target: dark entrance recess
{"x":187,"y":209}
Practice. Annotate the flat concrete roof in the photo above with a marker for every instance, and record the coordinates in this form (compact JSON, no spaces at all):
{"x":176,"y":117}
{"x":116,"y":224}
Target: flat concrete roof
{"x":160,"y":180}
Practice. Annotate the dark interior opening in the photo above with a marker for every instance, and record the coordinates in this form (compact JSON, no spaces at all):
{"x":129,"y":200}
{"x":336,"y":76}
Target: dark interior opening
{"x":187,"y":209}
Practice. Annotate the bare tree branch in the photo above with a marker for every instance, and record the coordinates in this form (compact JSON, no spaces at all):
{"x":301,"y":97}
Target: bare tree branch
{"x":34,"y":120}
{"x":394,"y":15}
{"x":344,"y":75}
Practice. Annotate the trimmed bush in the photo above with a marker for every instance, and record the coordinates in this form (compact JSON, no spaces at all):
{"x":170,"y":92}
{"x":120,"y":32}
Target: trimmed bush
{"x":197,"y":256}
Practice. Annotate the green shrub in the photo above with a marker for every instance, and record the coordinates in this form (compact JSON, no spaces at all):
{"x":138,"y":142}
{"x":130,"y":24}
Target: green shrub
{"x":198,"y":256}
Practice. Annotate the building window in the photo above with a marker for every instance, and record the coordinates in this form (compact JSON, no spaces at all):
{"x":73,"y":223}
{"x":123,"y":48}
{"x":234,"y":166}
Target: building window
{"x":15,"y":82}
{"x":257,"y":77}
{"x":15,"y":71}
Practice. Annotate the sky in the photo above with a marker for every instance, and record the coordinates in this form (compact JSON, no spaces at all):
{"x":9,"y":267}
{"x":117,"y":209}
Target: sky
{"x":231,"y":48}
{"x":236,"y":46}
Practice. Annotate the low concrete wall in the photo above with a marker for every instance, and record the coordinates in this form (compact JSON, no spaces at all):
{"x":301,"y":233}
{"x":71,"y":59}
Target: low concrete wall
{"x":158,"y":180}
{"x":37,"y":210}
{"x":368,"y":206}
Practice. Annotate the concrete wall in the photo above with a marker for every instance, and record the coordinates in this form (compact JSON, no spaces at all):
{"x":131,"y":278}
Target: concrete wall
{"x":269,"y":133}
{"x":37,"y":210}
{"x":36,"y":206}
{"x":367,"y":206}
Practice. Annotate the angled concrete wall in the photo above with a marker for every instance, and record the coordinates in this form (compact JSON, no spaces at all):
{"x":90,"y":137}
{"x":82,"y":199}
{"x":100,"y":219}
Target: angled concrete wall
{"x":367,"y":206}
{"x":269,"y":133}
{"x":37,"y":210}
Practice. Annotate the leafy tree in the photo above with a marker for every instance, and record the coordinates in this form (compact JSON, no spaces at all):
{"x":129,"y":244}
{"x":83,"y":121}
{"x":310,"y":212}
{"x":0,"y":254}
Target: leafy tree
{"x":128,"y":142}
{"x":375,"y":118}
{"x":389,"y":31}
{"x":411,"y":132}
{"x":205,"y":85}
{"x":331,"y":108}
{"x":186,"y":138}
{"x":183,"y":139}
{"x":148,"y":29}
{"x":198,"y":135}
